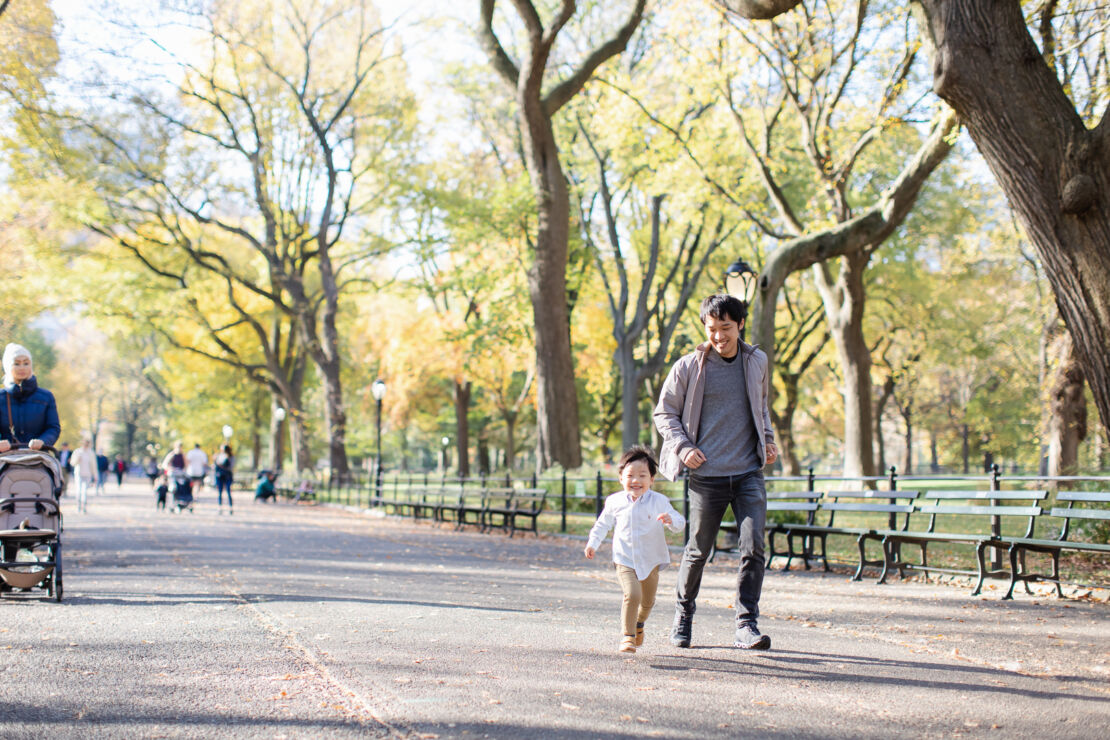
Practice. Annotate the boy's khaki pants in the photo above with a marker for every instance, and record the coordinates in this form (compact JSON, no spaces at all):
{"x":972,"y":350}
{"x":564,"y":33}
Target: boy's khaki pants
{"x":639,"y":597}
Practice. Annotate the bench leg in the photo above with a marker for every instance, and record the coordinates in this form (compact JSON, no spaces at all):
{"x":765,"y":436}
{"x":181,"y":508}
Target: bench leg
{"x":824,"y":554}
{"x":789,"y":550}
{"x":1056,"y":573}
{"x":807,"y":550}
{"x":888,"y":557}
{"x":858,"y":575}
{"x":1014,"y":572}
{"x":981,"y":556}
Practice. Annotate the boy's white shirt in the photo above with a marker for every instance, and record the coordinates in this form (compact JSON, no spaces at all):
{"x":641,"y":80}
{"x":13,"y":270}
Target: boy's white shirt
{"x":638,"y":540}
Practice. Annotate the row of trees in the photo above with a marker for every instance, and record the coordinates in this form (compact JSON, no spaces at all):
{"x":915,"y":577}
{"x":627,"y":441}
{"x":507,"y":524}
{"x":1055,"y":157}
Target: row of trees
{"x":271,"y":215}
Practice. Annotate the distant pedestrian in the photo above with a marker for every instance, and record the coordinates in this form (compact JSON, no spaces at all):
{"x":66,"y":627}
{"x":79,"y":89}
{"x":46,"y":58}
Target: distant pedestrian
{"x":64,"y":454}
{"x":637,"y":515}
{"x":84,"y":472}
{"x":102,"y":466}
{"x":119,"y":467}
{"x":161,"y":490}
{"x":265,"y":489}
{"x":196,"y":466}
{"x":174,"y":461}
{"x":152,"y":471}
{"x":713,"y":414}
{"x":225,"y":466}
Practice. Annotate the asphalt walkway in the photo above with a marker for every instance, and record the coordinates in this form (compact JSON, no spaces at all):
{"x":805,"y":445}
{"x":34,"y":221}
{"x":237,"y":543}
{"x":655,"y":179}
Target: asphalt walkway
{"x":291,"y":621}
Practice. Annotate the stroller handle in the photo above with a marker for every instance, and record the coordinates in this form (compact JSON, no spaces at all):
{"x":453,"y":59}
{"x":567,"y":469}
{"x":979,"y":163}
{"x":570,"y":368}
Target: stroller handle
{"x":21,"y":446}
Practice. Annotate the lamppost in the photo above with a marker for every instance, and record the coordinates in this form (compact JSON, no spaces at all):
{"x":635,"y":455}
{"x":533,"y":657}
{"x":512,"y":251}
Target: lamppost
{"x":276,"y":439}
{"x":445,"y":442}
{"x":740,"y":280}
{"x":228,"y":431}
{"x":377,"y":390}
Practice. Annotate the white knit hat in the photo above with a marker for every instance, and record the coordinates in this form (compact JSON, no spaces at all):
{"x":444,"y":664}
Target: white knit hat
{"x":11,"y":352}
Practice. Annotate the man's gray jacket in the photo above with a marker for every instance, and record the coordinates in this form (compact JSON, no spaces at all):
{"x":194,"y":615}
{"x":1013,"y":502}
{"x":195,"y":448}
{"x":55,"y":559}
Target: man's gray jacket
{"x":678,"y":412}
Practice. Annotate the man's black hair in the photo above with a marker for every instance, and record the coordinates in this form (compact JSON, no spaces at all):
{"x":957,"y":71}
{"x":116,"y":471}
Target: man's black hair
{"x":638,"y":452}
{"x":723,"y":306}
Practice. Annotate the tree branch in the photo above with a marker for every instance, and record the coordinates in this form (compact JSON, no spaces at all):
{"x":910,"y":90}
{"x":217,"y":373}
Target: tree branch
{"x":568,"y":88}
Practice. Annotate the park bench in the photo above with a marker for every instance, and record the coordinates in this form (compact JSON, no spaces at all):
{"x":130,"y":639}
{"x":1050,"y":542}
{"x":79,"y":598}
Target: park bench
{"x":473,"y":508}
{"x":864,"y":508}
{"x":951,"y":509}
{"x":527,"y":504}
{"x":797,"y":503}
{"x":427,"y":503}
{"x":1019,"y":546}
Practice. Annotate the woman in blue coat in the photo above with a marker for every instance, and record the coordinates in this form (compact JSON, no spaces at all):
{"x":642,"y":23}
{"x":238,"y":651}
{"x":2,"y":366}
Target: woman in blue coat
{"x":28,"y":414}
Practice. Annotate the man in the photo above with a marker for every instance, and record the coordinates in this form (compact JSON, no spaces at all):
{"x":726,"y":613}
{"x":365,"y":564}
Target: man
{"x":714,"y":418}
{"x":196,"y":465}
{"x":101,"y":471}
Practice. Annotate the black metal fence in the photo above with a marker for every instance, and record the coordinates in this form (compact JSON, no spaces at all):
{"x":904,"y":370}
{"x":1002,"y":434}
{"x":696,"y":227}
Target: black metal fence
{"x":571,"y":497}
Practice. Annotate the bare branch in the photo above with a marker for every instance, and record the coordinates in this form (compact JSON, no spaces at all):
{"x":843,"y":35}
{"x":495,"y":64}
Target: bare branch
{"x":569,"y":87}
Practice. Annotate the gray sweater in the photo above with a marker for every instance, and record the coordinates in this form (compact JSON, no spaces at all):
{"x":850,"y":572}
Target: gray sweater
{"x":726,"y":435}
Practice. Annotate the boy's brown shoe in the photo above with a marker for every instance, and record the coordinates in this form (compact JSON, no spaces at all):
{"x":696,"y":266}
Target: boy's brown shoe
{"x":628,"y":644}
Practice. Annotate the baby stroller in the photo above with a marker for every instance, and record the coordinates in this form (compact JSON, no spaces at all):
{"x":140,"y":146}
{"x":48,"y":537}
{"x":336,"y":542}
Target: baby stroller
{"x":31,"y":482}
{"x":182,"y":493}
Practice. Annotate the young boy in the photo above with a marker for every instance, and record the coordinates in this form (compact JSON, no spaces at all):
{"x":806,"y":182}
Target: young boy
{"x":637,"y":516}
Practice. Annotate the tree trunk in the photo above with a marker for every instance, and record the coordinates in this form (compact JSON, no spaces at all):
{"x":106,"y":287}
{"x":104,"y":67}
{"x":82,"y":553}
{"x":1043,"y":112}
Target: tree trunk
{"x":934,"y":457}
{"x":965,"y":448}
{"x":509,"y":418}
{"x":880,"y":406}
{"x":844,"y":303}
{"x":1068,"y":422}
{"x":907,"y":461}
{"x":1054,"y":170}
{"x":462,"y":426}
{"x":784,"y":425}
{"x":556,"y":395}
{"x":630,"y":395}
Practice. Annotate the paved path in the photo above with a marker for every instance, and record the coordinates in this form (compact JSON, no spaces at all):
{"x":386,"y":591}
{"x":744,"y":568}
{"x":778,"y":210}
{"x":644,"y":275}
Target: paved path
{"x":304,"y":622}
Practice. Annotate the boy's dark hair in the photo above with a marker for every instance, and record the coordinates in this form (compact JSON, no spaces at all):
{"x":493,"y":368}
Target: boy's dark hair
{"x":723,"y":306}
{"x":638,"y":452}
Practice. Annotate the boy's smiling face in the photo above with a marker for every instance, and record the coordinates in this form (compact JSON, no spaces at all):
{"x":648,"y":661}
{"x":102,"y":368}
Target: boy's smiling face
{"x":636,"y":478}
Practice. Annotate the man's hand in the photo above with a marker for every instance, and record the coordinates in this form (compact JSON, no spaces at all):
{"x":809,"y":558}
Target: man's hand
{"x":589,"y":552}
{"x":693,"y":459}
{"x":772,"y":452}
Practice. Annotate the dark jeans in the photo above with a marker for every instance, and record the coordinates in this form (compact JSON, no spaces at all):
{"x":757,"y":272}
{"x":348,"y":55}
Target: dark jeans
{"x":224,"y":484}
{"x":710,"y":498}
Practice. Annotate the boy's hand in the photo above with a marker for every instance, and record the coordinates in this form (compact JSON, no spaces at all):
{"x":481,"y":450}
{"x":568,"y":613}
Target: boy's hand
{"x":589,"y":552}
{"x":665,"y":518}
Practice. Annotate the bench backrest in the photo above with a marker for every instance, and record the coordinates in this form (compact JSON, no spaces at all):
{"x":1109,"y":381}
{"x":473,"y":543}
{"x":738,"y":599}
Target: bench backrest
{"x":802,"y":501}
{"x":1070,"y":512}
{"x":871,"y":502}
{"x":935,"y":504}
{"x":530,"y":499}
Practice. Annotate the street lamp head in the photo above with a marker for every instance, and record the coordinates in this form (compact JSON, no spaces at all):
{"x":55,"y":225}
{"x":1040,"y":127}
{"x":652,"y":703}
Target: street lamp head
{"x":446,"y":441}
{"x":228,"y":431}
{"x":740,"y":280}
{"x":279,"y":413}
{"x":377,"y":389}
